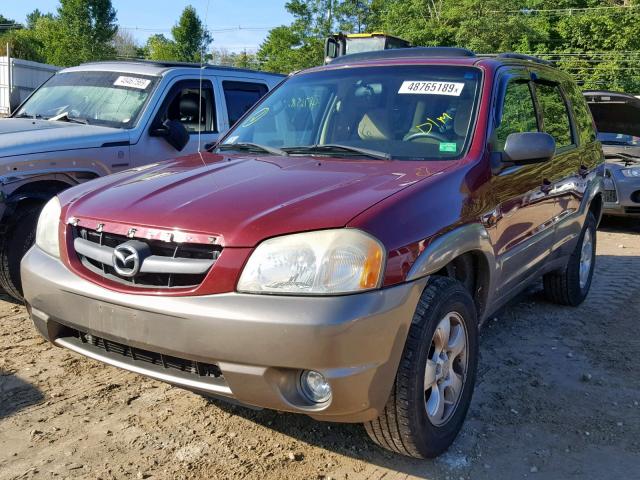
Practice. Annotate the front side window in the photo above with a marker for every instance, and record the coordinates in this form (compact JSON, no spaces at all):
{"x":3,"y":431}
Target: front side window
{"x":109,"y":99}
{"x":406,"y":112}
{"x":518,"y":113}
{"x":193,"y":106}
{"x":555,"y":114}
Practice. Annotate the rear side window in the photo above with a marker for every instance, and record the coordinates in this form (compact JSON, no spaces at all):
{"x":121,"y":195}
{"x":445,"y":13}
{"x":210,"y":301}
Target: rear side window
{"x":555,"y":115}
{"x":240,"y":97}
{"x":518,"y":113}
{"x":582,"y":114}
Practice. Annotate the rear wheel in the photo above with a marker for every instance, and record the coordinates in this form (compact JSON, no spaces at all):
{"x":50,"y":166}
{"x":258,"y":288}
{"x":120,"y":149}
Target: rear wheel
{"x":571,"y":285}
{"x":436,"y":376}
{"x":13,"y":245}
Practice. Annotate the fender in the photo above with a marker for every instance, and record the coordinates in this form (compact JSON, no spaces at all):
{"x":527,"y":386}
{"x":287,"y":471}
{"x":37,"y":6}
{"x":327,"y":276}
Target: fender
{"x":472,"y":237}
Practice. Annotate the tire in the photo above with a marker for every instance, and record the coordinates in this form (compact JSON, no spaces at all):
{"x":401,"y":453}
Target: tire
{"x":566,"y":287}
{"x":13,"y":245}
{"x":405,"y":426}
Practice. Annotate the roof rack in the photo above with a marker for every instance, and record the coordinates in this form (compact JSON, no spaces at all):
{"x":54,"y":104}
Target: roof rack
{"x":526,"y":58}
{"x":413,"y":52}
{"x":171,"y":64}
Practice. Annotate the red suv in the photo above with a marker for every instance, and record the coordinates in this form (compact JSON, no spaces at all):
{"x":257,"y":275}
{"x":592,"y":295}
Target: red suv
{"x":335,"y":253}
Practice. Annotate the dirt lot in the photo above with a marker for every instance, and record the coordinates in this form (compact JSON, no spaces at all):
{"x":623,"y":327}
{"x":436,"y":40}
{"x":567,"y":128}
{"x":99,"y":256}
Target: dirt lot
{"x":558,"y":396}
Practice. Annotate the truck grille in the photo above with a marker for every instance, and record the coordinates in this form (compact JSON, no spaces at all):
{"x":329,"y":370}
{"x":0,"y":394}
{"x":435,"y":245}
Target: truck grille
{"x":176,"y":259}
{"x":610,"y":196}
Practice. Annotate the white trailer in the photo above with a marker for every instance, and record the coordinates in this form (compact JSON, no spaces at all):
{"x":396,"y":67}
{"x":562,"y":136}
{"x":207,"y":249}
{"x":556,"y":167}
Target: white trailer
{"x":18,"y":78}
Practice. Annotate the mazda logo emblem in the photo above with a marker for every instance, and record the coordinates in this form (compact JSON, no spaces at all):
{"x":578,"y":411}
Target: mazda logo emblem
{"x":127,"y":259}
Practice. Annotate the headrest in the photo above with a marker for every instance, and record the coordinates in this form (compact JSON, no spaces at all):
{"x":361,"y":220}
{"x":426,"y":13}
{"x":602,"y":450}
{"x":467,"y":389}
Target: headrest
{"x":189,"y":106}
{"x":374,"y":126}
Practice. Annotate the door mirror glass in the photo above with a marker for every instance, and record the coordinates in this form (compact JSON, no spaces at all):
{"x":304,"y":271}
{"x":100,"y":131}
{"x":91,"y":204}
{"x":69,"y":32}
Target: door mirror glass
{"x":529,"y":147}
{"x":174,"y":132}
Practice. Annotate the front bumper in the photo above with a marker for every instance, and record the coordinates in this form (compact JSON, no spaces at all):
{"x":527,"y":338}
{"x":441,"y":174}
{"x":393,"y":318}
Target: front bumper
{"x":260,"y":343}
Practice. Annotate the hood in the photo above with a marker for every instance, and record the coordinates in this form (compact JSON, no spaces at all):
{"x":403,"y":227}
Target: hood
{"x":615,"y":112}
{"x":23,"y":136}
{"x":243,"y":200}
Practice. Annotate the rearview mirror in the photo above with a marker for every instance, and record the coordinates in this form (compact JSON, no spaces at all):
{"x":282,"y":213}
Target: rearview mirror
{"x":529,"y":147}
{"x":174,"y":133}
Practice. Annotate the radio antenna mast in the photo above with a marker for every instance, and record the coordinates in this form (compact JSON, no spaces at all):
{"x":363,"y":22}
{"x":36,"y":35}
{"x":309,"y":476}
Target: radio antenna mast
{"x":202,"y":47}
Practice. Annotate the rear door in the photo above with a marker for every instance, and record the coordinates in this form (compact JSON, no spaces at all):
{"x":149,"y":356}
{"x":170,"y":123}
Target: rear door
{"x":566,"y":184}
{"x":522,"y":234}
{"x":238,"y":96}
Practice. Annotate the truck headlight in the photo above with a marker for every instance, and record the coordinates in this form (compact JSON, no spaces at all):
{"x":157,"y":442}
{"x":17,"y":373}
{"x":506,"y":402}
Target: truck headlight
{"x":631,"y":172}
{"x":315,"y":263}
{"x":47,"y":230}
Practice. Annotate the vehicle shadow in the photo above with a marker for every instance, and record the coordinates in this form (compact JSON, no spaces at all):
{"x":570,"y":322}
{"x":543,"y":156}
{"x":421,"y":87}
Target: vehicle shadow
{"x":620,"y":224}
{"x":16,"y":394}
{"x":4,"y":297}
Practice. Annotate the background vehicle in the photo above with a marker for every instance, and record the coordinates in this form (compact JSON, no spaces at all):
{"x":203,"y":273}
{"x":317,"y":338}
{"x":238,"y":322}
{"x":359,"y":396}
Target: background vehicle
{"x":617,"y":118}
{"x":100,"y":118}
{"x":340,"y":44}
{"x":336,"y":252}
{"x":18,"y":79}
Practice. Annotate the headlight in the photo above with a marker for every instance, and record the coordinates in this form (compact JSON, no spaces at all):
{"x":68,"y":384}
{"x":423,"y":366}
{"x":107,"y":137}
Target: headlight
{"x":47,"y":230}
{"x":315,"y":263}
{"x":631,"y":172}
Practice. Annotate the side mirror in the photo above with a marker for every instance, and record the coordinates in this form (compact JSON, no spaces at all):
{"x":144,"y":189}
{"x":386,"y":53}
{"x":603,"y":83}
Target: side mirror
{"x":529,"y":147}
{"x":173,"y":132}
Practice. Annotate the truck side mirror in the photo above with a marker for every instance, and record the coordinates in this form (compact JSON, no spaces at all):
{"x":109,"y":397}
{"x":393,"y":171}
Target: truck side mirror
{"x":173,"y":132}
{"x":529,"y":147}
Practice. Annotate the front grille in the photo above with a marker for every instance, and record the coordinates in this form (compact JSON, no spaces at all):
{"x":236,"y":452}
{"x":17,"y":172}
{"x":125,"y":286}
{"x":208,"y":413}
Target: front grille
{"x":159,"y":248}
{"x":610,"y":196}
{"x":168,"y":363}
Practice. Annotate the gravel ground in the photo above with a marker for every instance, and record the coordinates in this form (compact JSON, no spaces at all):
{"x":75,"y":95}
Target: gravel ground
{"x":558,"y":396}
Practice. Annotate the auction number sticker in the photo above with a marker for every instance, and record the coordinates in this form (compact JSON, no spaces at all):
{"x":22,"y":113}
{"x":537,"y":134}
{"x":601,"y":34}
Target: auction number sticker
{"x":132,"y":82}
{"x":420,"y":87}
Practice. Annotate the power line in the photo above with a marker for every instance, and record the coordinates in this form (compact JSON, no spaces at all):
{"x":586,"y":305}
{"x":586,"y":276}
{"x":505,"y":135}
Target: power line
{"x":528,"y":11}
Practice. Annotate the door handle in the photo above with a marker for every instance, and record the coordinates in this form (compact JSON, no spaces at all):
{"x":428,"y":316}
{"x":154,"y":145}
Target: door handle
{"x":546,"y":186}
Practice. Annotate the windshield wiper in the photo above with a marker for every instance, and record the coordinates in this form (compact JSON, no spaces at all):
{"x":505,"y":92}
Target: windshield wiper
{"x":64,"y":117}
{"x":252,"y":147}
{"x":336,"y":148}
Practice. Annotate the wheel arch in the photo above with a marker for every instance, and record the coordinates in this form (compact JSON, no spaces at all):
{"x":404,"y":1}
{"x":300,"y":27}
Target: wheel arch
{"x":466,"y":250}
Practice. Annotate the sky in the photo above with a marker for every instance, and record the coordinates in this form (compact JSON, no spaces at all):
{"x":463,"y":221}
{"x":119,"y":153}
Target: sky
{"x":147,"y":17}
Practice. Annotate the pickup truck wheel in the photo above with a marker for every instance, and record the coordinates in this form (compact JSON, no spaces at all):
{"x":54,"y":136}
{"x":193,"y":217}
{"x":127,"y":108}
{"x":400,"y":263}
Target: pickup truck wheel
{"x":434,"y":382}
{"x":13,"y":245}
{"x":571,"y":285}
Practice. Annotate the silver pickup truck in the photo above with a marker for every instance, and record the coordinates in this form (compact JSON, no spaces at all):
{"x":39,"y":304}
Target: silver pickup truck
{"x":99,"y":118}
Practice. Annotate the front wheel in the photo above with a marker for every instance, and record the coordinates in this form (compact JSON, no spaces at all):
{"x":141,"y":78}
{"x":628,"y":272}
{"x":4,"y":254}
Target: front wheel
{"x":436,"y":375}
{"x":571,"y":285}
{"x":13,"y":245}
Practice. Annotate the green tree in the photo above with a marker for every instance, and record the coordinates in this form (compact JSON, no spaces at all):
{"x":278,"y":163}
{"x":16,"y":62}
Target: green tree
{"x":190,"y":40}
{"x":82,"y":31}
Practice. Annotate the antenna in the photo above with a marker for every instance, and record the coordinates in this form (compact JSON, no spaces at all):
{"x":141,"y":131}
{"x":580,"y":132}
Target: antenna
{"x":202,"y":47}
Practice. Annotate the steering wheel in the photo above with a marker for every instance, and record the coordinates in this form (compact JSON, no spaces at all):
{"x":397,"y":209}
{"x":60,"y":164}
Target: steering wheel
{"x":436,"y":136}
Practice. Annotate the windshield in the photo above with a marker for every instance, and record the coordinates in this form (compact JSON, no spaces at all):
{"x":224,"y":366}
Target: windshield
{"x":618,"y":139}
{"x":400,"y":112}
{"x":98,"y":98}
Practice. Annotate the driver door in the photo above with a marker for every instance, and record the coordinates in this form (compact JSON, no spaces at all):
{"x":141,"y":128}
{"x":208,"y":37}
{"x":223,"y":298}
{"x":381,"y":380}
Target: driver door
{"x":194,"y":108}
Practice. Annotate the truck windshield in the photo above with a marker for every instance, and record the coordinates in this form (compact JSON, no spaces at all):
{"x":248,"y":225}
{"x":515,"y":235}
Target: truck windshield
{"x":399,"y":112}
{"x":109,"y":99}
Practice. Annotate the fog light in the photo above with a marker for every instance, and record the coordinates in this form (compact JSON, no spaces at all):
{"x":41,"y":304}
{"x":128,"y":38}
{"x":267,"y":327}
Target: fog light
{"x":314,"y":386}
